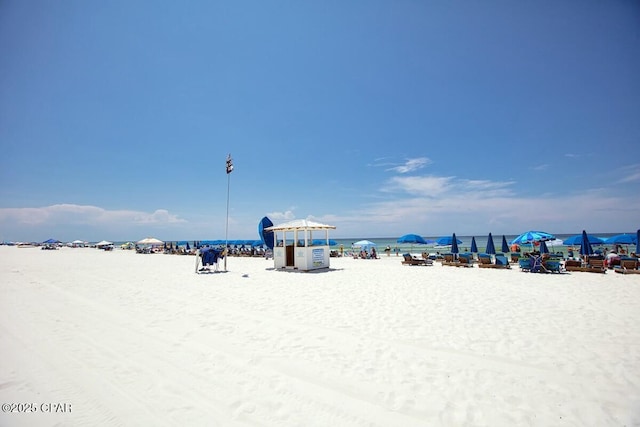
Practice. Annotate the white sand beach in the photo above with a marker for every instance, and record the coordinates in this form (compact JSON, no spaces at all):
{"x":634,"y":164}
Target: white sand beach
{"x":124,"y":339}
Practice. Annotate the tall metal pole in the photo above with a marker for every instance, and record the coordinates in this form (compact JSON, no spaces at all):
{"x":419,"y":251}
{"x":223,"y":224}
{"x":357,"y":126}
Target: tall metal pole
{"x":226,"y":232}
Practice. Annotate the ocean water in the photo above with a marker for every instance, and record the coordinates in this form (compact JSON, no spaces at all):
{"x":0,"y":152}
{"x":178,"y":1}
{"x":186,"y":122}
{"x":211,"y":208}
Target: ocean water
{"x":465,"y":246}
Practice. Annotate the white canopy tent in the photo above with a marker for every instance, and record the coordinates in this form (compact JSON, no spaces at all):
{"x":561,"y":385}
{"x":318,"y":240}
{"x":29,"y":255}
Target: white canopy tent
{"x":105,"y":245}
{"x":77,"y":244}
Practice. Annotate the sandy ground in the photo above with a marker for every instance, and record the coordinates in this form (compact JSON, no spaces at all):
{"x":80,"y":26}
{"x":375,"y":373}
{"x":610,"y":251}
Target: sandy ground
{"x":116,"y":338}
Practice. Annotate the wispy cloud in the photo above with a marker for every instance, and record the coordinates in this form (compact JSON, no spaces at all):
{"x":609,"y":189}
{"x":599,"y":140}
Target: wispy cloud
{"x":425,"y":186}
{"x":486,"y":188}
{"x":629,"y":174}
{"x":411,"y":165}
{"x":440,"y":186}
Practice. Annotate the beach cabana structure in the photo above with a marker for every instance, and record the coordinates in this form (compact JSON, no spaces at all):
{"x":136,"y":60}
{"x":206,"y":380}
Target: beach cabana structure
{"x":295,"y":246}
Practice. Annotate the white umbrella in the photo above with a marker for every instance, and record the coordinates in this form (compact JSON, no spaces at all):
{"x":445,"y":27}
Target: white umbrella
{"x":104,"y":243}
{"x":555,"y":242}
{"x":150,"y":241}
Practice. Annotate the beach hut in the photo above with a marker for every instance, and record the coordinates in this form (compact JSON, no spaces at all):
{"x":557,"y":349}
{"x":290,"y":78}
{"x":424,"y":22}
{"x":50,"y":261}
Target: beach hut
{"x":296,"y":249}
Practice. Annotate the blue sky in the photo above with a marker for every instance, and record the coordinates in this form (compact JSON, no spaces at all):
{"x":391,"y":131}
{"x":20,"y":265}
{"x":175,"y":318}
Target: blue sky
{"x":379,"y":117}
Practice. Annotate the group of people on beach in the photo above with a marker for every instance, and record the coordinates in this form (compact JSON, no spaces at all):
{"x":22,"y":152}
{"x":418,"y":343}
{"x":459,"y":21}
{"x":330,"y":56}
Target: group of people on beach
{"x":364,"y":254}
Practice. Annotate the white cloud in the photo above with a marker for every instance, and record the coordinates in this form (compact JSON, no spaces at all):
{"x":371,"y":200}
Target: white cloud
{"x":629,"y":174}
{"x":494,"y":187}
{"x":411,"y":165}
{"x":84,"y":214}
{"x":70,"y":221}
{"x":440,"y":205}
{"x":426,"y":186}
{"x":282,"y":216}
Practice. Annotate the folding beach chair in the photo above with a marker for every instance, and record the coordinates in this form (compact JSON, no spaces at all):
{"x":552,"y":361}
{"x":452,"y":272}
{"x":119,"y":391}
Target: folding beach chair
{"x":209,"y":258}
{"x":536,"y":265}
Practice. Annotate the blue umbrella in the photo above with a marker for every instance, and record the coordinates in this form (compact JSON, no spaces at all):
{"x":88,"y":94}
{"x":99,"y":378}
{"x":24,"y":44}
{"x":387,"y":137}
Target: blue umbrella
{"x":577,"y":240}
{"x":323,"y":242}
{"x":412,"y":238}
{"x":474,"y":246}
{"x":505,"y":246}
{"x":266,"y":236}
{"x":447,"y":240}
{"x":543,"y":247}
{"x":622,"y":239}
{"x":491,"y":249}
{"x":585,"y":246}
{"x":638,"y":243}
{"x":532,"y":236}
{"x":364,"y":244}
{"x":51,"y":241}
{"x":454,"y":244}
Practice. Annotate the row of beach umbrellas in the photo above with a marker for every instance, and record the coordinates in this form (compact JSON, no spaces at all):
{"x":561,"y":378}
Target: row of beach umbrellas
{"x":532,"y":237}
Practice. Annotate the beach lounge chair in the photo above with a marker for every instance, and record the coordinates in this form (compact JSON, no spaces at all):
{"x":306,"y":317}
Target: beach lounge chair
{"x":525,"y":264}
{"x":465,"y":260}
{"x":591,"y":267}
{"x":628,"y":266}
{"x":572,"y":265}
{"x":502,"y":261}
{"x":552,"y":266}
{"x":411,"y":260}
{"x":447,"y":258}
{"x":484,"y":261}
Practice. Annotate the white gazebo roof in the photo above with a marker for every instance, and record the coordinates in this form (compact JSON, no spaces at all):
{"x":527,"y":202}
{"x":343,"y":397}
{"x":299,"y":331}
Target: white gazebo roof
{"x":300,"y":224}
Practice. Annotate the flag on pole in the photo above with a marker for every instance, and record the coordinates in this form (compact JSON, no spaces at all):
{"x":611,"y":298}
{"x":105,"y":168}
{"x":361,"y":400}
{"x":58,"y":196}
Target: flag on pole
{"x":229,"y":164}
